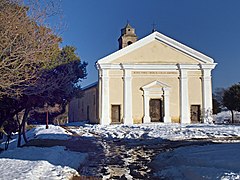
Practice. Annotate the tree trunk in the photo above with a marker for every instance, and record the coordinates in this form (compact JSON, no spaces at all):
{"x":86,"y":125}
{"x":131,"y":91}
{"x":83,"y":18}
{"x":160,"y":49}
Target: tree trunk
{"x":24,"y":132}
{"x":232,"y":116}
{"x":19,"y":131}
{"x":17,"y":119}
{"x":19,"y":135}
{"x":24,"y":124}
{"x":22,"y":127}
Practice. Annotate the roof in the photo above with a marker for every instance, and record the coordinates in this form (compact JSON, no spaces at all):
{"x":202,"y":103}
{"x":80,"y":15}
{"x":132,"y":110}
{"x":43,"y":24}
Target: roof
{"x":128,"y":26}
{"x":160,"y":37}
{"x":90,"y":86}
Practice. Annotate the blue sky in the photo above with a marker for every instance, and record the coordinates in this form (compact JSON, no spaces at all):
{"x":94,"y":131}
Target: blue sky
{"x":211,"y":27}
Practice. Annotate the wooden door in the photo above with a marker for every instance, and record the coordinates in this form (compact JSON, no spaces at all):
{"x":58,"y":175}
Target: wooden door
{"x":155,"y":110}
{"x":195,"y":113}
{"x":116,"y":114}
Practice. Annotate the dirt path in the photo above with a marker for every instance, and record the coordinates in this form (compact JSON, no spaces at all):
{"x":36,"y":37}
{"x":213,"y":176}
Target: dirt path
{"x":127,"y":159}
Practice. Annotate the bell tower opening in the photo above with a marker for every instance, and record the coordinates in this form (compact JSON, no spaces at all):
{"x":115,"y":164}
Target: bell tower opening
{"x":127,"y":37}
{"x":129,"y":42}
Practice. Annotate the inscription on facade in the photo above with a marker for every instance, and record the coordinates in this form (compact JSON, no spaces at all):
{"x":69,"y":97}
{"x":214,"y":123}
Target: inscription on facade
{"x":153,"y":72}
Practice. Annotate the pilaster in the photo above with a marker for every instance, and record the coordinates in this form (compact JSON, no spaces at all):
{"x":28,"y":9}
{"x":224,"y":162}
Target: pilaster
{"x":127,"y":101}
{"x":206,"y":92}
{"x":166,"y":118}
{"x":184,"y":102}
{"x":105,"y":118}
{"x":146,"y":118}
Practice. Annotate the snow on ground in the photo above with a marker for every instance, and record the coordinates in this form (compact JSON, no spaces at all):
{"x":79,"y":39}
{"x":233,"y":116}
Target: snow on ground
{"x":39,"y":163}
{"x":40,"y":132}
{"x":159,"y":130}
{"x":53,"y":132}
{"x":223,"y":117}
{"x":219,"y":161}
{"x":214,"y":161}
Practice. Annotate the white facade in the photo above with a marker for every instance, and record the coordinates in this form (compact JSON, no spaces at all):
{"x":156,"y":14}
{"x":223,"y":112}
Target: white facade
{"x":156,"y":88}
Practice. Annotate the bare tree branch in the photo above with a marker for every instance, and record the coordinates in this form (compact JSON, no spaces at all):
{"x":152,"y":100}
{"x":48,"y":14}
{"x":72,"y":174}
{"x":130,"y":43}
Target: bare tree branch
{"x":26,"y":45}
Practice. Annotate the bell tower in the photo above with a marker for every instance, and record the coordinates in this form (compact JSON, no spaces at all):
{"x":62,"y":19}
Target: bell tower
{"x":127,"y":37}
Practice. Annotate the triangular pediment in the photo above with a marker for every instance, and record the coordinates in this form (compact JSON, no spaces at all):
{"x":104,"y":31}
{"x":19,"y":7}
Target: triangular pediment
{"x":156,"y":52}
{"x":156,"y":49}
{"x":155,"y":85}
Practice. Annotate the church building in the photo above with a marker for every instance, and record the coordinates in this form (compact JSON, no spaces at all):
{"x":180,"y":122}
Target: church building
{"x":154,"y":79}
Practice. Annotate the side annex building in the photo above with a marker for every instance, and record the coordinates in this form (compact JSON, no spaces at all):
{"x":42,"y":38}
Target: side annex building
{"x":154,"y":79}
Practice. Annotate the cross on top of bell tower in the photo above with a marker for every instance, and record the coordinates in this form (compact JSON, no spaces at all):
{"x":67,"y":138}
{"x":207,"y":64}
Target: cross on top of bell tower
{"x":127,"y":37}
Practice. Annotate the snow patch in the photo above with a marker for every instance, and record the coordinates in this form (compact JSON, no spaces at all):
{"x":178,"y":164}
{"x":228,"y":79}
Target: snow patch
{"x":159,"y":131}
{"x":53,"y":132}
{"x":220,"y":161}
{"x":40,"y":163}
